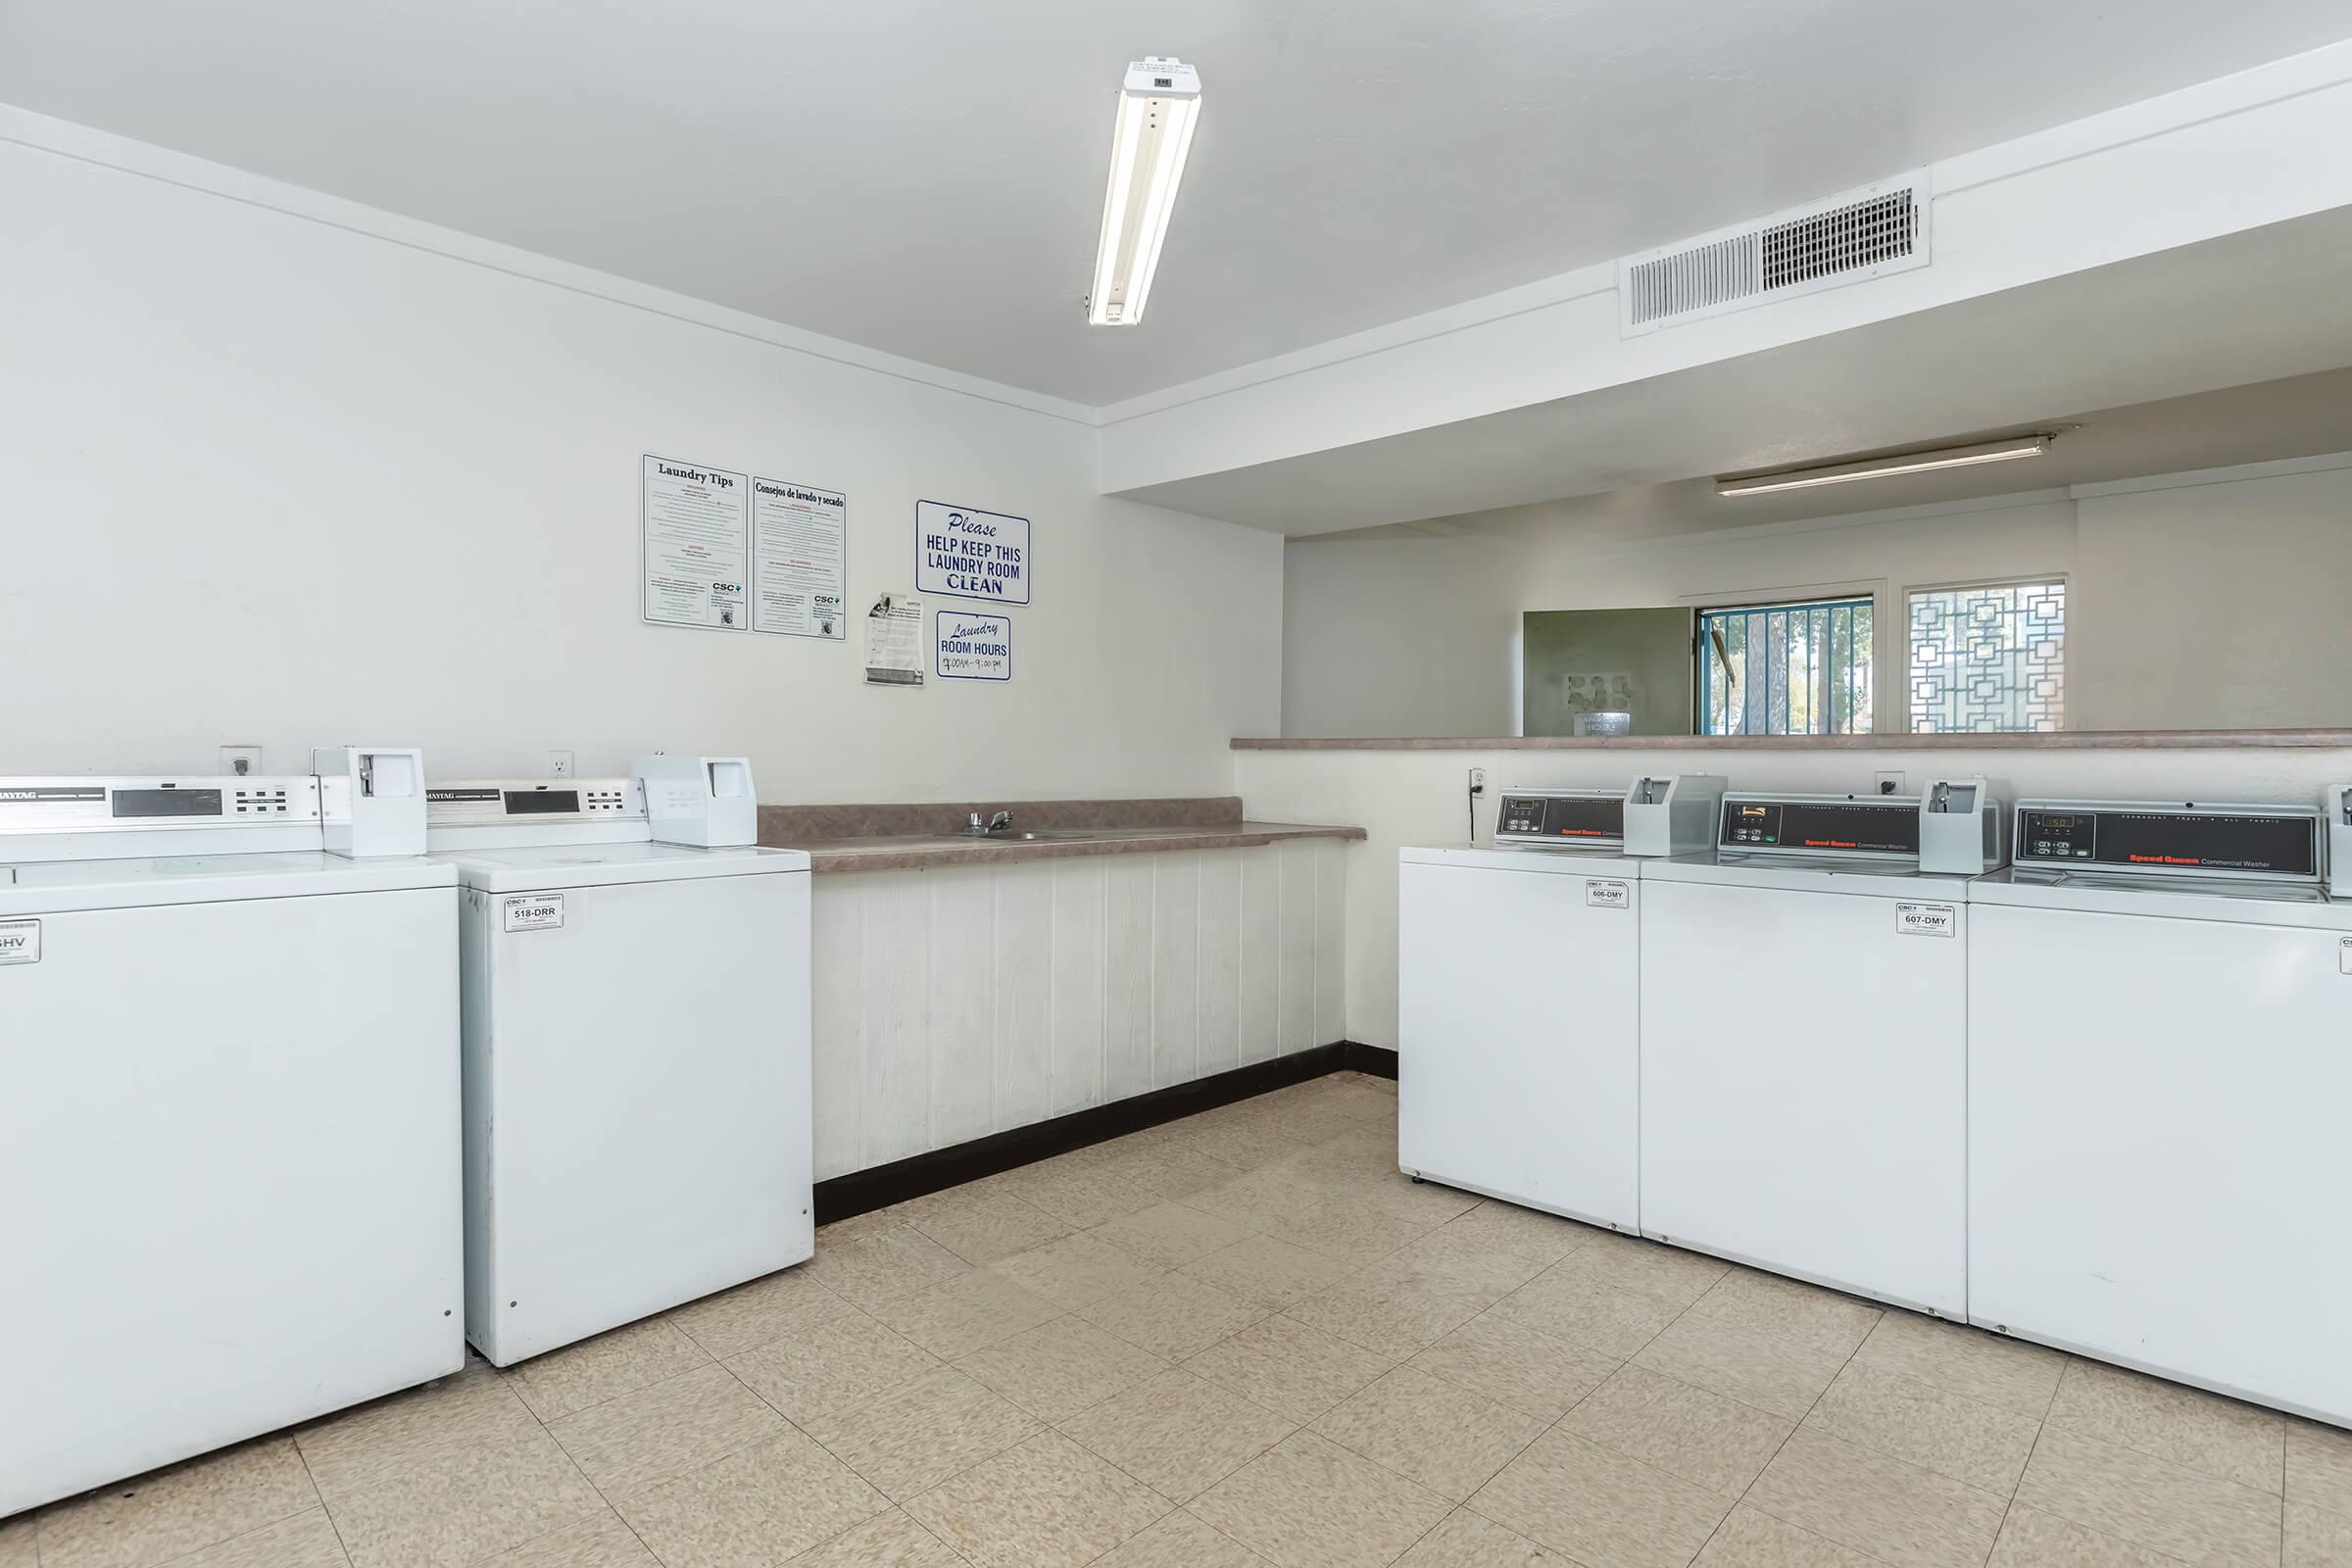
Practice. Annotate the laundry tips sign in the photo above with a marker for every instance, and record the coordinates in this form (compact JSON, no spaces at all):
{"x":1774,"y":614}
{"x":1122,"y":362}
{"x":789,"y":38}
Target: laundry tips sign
{"x":965,"y":552}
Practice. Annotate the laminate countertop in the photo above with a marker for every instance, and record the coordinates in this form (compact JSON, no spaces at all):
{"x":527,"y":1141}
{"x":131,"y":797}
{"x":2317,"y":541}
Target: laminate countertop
{"x":902,"y":851}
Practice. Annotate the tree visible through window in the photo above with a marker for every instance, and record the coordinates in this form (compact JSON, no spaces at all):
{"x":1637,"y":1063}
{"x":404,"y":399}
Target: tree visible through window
{"x":1988,"y":659}
{"x":1785,"y":670}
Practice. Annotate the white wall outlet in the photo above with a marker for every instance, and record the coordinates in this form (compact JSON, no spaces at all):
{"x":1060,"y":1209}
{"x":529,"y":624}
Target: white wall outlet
{"x":558,"y":765}
{"x":240,"y":761}
{"x":1478,"y":781}
{"x":1889,"y":783}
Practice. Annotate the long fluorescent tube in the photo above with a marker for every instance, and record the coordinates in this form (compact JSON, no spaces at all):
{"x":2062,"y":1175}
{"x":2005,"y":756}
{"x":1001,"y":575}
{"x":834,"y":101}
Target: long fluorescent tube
{"x":2020,"y":446}
{"x":1160,"y":107}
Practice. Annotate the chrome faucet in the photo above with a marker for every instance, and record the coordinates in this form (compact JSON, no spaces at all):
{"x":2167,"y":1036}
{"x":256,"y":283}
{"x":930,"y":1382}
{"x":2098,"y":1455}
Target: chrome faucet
{"x":1001,"y":822}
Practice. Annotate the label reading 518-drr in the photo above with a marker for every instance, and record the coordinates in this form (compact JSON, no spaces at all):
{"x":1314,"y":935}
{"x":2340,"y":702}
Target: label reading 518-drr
{"x":535,"y":912}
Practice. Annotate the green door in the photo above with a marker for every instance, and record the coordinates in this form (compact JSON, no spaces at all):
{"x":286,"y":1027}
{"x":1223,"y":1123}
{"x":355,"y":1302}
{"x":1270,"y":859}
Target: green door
{"x":1636,"y":662}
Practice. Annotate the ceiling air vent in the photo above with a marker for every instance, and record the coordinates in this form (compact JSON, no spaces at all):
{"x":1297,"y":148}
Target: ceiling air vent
{"x":1862,"y":233}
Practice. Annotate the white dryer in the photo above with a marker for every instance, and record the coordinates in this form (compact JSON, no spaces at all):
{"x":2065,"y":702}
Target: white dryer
{"x":228,"y":1123}
{"x":1518,"y":1060}
{"x":1804,"y":1057}
{"x":2159,"y":1003}
{"x":636,"y":1047}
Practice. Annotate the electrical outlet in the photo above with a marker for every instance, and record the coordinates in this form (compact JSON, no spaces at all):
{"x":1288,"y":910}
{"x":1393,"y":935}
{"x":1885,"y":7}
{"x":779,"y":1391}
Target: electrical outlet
{"x":558,"y":765}
{"x":240,"y":761}
{"x":1889,"y":783}
{"x":1478,"y":781}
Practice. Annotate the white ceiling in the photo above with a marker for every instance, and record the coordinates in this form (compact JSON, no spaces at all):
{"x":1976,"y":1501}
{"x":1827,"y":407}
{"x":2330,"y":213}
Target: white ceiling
{"x":924,"y":177}
{"x":2296,"y":416}
{"x":2255,"y":306}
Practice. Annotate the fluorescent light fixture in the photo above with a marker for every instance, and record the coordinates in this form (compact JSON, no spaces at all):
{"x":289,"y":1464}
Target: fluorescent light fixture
{"x":2003,"y":451}
{"x":1160,"y":105}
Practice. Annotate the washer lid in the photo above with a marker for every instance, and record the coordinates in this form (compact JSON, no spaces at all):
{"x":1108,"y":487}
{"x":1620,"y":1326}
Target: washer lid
{"x":586,"y":866}
{"x":1559,"y":859}
{"x":2238,"y":900}
{"x":55,"y":886}
{"x":1797,"y":873}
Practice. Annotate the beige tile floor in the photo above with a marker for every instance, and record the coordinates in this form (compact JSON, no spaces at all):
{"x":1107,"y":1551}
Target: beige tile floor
{"x":1245,"y":1340}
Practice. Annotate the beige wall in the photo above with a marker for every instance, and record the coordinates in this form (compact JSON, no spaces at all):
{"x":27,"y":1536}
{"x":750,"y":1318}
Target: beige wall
{"x":2194,"y":600}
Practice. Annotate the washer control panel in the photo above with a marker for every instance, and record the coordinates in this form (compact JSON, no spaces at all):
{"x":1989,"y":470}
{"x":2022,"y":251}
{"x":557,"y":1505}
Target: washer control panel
{"x":1572,"y":818}
{"x":497,"y":801}
{"x":1872,"y":827}
{"x":2153,"y":837}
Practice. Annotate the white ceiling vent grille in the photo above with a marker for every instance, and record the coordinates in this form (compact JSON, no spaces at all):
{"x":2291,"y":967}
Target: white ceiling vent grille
{"x":1862,"y":233}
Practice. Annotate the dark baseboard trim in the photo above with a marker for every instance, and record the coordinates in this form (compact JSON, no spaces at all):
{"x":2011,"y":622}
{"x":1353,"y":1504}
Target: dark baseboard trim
{"x":864,"y":1190}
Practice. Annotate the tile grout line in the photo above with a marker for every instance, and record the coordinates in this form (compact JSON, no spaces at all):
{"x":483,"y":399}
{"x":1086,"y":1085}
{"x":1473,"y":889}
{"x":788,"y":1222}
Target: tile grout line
{"x":314,"y":1492}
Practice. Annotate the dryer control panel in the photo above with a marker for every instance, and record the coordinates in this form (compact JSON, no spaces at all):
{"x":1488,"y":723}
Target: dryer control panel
{"x":95,"y":818}
{"x":1591,"y":819}
{"x":2163,"y":839}
{"x":495,"y":801}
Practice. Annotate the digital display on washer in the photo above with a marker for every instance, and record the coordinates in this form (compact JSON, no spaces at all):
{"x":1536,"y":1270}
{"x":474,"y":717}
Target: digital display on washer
{"x":2229,"y":843}
{"x":1848,"y":827}
{"x":1576,"y":819}
{"x":165,"y":803}
{"x":541,"y":803}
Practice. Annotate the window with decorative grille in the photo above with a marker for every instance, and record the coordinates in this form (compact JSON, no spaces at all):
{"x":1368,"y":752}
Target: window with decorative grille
{"x":1985,"y":659}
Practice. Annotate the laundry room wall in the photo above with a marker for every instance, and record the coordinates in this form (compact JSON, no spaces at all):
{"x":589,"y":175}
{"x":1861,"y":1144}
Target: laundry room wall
{"x":285,"y":471}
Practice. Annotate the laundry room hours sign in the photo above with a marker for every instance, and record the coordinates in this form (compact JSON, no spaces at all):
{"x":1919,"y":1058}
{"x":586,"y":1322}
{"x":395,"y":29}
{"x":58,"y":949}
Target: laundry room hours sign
{"x":964,"y":553}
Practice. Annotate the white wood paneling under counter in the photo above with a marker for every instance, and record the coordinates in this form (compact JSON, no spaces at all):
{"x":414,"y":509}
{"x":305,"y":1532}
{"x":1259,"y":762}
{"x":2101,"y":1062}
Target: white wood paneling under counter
{"x":963,"y":1001}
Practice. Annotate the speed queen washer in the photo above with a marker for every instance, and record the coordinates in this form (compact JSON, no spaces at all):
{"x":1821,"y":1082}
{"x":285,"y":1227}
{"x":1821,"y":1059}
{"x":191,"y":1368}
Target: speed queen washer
{"x":637,"y":1047}
{"x":228,"y":1122}
{"x":1804,"y":1062}
{"x":2160,"y":1001}
{"x":1517,"y":975}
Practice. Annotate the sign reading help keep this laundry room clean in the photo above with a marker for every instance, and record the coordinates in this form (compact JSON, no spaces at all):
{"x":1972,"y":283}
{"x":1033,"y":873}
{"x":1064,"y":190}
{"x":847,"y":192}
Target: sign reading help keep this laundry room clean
{"x":965,"y":552}
{"x":972,"y":647}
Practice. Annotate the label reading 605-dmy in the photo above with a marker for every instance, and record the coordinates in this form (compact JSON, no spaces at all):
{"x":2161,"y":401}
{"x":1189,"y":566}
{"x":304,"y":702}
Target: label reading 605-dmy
{"x":1607,"y":894}
{"x":535,"y":912}
{"x":19,"y":941}
{"x":1926,"y":919}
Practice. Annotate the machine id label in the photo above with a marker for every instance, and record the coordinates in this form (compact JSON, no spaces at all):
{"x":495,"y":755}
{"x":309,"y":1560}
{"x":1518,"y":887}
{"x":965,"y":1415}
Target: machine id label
{"x":535,"y":912}
{"x":1601,"y":894}
{"x":20,"y":942}
{"x":1926,"y":919}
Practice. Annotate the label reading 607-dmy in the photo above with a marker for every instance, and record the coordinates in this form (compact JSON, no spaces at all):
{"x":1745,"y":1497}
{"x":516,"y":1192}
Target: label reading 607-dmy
{"x":535,"y":912}
{"x":1926,"y":919}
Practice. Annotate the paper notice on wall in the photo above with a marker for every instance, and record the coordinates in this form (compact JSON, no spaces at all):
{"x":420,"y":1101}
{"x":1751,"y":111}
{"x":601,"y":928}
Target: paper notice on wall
{"x":697,"y":530}
{"x":800,"y":559}
{"x":894,"y":641}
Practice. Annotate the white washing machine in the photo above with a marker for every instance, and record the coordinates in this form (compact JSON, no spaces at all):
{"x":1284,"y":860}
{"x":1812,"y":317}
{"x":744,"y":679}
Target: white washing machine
{"x":2160,"y":1093}
{"x":1804,"y":1039}
{"x":1518,"y":1061}
{"x":636,"y":1047}
{"x":228,"y":1122}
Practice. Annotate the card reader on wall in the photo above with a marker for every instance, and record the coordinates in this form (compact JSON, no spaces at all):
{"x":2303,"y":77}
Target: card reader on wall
{"x":1963,"y":830}
{"x":2340,"y":840}
{"x":1673,"y":816}
{"x":708,"y":801}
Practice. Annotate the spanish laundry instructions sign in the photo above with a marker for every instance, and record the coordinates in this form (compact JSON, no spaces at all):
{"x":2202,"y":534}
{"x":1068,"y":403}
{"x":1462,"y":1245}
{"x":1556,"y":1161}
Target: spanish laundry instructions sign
{"x":965,"y":552}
